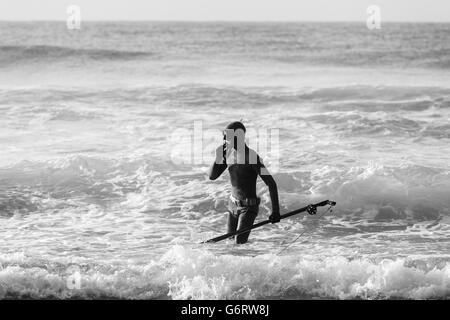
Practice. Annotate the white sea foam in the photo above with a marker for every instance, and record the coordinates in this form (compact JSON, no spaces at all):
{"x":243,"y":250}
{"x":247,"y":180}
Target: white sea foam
{"x":184,"y":273}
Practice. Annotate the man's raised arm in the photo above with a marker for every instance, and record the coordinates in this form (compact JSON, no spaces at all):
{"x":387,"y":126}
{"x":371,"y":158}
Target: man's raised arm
{"x":218,"y":166}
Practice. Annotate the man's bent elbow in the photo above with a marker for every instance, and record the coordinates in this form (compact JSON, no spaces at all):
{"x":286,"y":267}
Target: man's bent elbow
{"x":272,"y":184}
{"x":212,"y":176}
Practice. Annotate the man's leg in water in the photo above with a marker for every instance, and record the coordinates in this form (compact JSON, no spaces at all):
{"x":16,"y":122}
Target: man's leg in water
{"x":246,"y":219}
{"x":232,"y":222}
{"x":241,"y":218}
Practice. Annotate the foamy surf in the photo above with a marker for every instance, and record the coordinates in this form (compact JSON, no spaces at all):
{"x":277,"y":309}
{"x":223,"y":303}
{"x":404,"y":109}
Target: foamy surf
{"x":186,"y":273}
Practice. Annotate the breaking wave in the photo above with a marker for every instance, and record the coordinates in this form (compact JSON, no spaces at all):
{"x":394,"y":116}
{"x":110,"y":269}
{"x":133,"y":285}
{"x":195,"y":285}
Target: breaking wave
{"x":184,"y":273}
{"x":368,"y":98}
{"x":394,"y":192}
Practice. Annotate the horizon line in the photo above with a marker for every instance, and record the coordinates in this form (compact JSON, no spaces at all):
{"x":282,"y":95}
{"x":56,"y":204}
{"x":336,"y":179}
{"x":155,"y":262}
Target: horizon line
{"x":220,"y":21}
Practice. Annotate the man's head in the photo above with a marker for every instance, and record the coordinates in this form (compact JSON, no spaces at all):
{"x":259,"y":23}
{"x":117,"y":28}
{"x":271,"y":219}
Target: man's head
{"x":235,"y":130}
{"x":236,"y":125}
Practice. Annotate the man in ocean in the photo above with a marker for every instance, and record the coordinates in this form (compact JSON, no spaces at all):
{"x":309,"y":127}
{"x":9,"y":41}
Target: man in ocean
{"x":244,"y":166}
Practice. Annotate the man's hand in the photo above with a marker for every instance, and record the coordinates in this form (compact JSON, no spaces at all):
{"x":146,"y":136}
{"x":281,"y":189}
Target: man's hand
{"x":218,"y":166}
{"x":220,"y":154}
{"x":274,"y":217}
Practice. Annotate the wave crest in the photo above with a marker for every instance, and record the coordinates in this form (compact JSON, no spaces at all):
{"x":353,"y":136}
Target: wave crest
{"x":184,"y":273}
{"x":42,"y":53}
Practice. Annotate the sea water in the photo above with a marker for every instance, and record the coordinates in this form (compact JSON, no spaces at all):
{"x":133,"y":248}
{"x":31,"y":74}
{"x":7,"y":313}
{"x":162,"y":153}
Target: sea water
{"x":94,"y":205}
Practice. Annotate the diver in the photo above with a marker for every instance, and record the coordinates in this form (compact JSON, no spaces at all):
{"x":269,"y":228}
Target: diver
{"x":244,"y":166}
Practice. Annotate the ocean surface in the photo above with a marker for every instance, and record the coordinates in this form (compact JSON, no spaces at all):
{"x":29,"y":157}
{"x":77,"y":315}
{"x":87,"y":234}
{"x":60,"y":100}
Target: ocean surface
{"x":94,"y":205}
